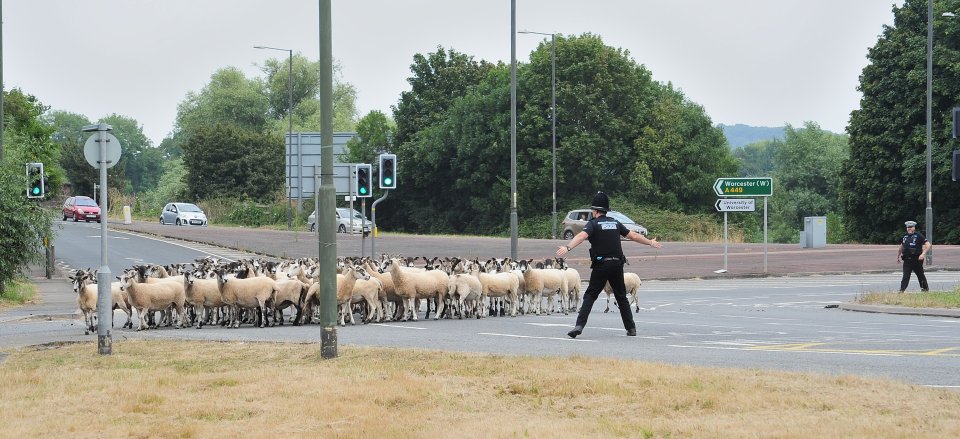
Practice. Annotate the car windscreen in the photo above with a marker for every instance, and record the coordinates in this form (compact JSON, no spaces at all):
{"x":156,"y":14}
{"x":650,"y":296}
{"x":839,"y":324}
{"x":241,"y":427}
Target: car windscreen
{"x":85,"y":202}
{"x":188,"y":208}
{"x":620,"y":217}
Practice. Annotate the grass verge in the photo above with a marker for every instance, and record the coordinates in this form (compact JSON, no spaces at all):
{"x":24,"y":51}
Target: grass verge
{"x":924,"y":299}
{"x":17,"y":293}
{"x":183,"y":389}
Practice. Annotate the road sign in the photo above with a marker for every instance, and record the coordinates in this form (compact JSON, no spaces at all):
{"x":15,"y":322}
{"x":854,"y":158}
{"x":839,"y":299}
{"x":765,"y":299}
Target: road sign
{"x":743,"y":187}
{"x":91,"y":150}
{"x":735,"y":205}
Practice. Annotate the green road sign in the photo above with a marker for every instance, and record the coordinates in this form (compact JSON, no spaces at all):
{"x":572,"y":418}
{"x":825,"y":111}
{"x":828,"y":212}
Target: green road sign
{"x":744,"y":187}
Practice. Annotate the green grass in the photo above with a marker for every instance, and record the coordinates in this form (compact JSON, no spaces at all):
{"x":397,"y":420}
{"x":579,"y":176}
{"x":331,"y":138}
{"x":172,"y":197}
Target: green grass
{"x":928,"y":299}
{"x":17,"y":293}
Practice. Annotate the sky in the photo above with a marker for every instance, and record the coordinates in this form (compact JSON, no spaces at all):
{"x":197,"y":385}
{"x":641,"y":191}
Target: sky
{"x":753,"y":62}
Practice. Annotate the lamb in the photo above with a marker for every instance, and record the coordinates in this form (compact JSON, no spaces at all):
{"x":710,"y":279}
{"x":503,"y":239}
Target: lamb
{"x":286,"y":293}
{"x":345,"y":283}
{"x":632,"y":283}
{"x":369,"y":290}
{"x":152,"y":297}
{"x":573,"y":284}
{"x":410,"y":285}
{"x":252,"y":292}
{"x":87,"y":294}
{"x":389,"y":291}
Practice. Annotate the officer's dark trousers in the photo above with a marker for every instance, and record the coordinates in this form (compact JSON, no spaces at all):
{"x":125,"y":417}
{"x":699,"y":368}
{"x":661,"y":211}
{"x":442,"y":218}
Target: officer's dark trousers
{"x":611,"y":271}
{"x":913,"y":265}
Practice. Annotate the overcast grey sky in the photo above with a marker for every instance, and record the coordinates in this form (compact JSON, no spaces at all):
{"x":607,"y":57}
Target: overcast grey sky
{"x":756,"y":62}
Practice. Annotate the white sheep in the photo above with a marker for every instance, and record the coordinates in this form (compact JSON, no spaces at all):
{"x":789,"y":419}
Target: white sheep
{"x":632,"y":283}
{"x":203,"y":294}
{"x":87,"y":294}
{"x":147,"y":298}
{"x":251,"y":292}
{"x":544,"y":281}
{"x":464,"y":289}
{"x":499,"y":285}
{"x":412,"y":285}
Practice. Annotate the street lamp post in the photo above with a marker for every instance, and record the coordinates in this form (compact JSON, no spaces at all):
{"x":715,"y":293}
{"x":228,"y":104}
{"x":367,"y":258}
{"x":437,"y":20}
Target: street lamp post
{"x":289,"y":132}
{"x":929,"y":212}
{"x":553,"y":120}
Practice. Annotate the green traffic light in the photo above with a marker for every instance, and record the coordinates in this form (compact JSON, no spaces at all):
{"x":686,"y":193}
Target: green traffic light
{"x":388,"y":181}
{"x":36,"y":190}
{"x":363,"y":191}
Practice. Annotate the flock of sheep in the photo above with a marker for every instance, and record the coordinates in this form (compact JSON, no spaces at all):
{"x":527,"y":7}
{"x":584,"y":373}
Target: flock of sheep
{"x":265,"y":293}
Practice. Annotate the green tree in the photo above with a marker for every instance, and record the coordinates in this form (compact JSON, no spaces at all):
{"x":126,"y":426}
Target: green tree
{"x":229,"y":98}
{"x":306,"y":95}
{"x":806,"y":175}
{"x":756,"y":159}
{"x":374,"y":136}
{"x":140,"y":162}
{"x":883,"y":183}
{"x":226,"y":160}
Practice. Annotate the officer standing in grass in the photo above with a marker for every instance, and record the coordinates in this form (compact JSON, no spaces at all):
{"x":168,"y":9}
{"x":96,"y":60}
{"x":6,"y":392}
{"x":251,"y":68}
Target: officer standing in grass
{"x":606,"y":261}
{"x":913,"y":248}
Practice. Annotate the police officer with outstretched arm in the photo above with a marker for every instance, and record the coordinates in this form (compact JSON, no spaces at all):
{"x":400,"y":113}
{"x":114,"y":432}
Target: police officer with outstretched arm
{"x":606,"y":261}
{"x":913,"y":249}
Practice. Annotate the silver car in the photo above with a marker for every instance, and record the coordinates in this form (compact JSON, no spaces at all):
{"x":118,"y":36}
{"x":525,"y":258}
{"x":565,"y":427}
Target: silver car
{"x":360,"y":223}
{"x":575,"y":220}
{"x":183,"y":214}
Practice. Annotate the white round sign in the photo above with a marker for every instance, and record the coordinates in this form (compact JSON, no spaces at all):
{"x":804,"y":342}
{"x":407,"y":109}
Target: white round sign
{"x":91,"y":150}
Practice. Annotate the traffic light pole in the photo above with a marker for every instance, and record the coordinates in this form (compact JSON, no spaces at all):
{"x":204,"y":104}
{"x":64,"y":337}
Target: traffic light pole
{"x":373,"y":218}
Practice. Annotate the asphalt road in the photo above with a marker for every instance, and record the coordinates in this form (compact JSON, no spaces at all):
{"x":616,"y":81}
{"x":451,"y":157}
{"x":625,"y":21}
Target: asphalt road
{"x":778,"y":323}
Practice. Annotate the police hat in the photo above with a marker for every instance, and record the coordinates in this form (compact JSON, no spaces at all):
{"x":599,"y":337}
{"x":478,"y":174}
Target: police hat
{"x":600,"y":202}
{"x":911,"y":223}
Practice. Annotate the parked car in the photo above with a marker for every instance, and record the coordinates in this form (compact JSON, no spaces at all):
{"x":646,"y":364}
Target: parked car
{"x":575,"y":220}
{"x":81,"y":208}
{"x":183,"y":214}
{"x":360,"y":223}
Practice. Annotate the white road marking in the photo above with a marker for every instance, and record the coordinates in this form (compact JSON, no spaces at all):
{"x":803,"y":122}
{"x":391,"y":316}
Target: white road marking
{"x":396,"y":326}
{"x":531,"y":336}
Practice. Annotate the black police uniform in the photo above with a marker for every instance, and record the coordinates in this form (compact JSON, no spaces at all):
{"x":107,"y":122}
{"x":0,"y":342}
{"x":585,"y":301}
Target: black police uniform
{"x":912,"y":245}
{"x":606,"y":261}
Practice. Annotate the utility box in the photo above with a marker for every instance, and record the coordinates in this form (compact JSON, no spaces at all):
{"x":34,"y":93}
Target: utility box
{"x":814,"y":234}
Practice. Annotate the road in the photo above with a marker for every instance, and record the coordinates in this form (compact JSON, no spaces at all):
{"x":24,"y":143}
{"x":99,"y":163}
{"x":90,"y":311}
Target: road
{"x":781,"y":323}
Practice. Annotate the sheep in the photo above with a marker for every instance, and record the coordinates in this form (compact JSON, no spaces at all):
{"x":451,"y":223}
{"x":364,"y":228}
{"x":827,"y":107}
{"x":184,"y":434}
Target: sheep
{"x":345,"y":283}
{"x":87,"y":294}
{"x":544,"y":281}
{"x":202,"y":294}
{"x":463,"y":289}
{"x":152,"y":297}
{"x":252,"y":292}
{"x":369,"y":290}
{"x":573,"y":284}
{"x":389,"y":291}
{"x":410,"y":285}
{"x":502,"y":285}
{"x":632,"y":283}
{"x":286,"y":293}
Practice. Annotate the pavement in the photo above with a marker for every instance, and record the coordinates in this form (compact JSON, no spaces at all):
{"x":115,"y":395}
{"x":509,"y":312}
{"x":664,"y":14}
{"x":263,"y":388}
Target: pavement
{"x":676,"y":260}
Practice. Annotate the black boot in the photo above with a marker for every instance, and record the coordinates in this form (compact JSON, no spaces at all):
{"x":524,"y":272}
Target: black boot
{"x":577,"y":330}
{"x":632,"y":332}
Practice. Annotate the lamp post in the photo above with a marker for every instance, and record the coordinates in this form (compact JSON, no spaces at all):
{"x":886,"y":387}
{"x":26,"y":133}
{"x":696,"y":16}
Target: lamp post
{"x":553,"y":121}
{"x":289,"y":132}
{"x":514,"y":226}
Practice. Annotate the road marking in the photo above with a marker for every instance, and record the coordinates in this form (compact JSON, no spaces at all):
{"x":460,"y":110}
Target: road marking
{"x":396,"y":326}
{"x":532,"y":336}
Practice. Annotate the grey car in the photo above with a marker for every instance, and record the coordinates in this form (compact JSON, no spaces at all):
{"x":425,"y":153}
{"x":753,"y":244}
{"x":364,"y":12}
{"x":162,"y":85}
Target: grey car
{"x":360,"y":222}
{"x":575,"y":220}
{"x":183,"y":214}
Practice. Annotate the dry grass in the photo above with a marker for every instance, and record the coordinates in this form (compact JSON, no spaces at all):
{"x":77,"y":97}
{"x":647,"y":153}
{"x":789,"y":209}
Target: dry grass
{"x":180,"y":389}
{"x":929,"y":299}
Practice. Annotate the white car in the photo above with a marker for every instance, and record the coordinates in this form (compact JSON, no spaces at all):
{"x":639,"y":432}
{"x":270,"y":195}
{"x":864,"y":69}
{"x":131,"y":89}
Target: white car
{"x":183,"y":214}
{"x":360,"y":223}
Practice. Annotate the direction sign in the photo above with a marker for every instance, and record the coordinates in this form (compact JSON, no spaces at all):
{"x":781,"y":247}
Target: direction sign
{"x":735,"y":205}
{"x":743,"y":187}
{"x":91,"y":150}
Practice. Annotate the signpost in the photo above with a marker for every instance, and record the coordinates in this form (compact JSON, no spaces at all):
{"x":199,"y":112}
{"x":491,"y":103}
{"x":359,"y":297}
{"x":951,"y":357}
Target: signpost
{"x":742,"y":187}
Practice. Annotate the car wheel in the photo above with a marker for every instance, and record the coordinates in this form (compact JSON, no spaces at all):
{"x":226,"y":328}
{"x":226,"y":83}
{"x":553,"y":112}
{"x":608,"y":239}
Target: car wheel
{"x":342,"y":229}
{"x":568,"y":234}
{"x":98,"y":221}
{"x":75,"y":219}
{"x":64,"y":217}
{"x":178,"y":221}
{"x":313,"y":227}
{"x":161,"y":220}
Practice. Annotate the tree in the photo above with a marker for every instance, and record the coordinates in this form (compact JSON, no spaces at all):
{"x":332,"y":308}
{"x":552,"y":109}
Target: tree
{"x":756,"y":159}
{"x":806,"y":173}
{"x":228,"y":99}
{"x":883,"y":183}
{"x":306,"y":95}
{"x":226,"y":160}
{"x":140,"y":163}
{"x":374,"y":136}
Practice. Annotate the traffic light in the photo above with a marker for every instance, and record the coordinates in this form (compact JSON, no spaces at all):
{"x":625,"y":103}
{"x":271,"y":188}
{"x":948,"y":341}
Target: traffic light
{"x":956,"y":122}
{"x":364,"y":186}
{"x":388,"y":171}
{"x":35,"y":178}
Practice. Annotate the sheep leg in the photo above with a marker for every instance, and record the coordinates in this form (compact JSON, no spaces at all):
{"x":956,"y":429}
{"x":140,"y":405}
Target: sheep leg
{"x":142,"y":317}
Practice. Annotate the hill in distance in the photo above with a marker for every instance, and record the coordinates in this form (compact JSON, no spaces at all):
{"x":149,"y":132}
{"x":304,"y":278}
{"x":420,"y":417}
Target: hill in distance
{"x":739,"y":134}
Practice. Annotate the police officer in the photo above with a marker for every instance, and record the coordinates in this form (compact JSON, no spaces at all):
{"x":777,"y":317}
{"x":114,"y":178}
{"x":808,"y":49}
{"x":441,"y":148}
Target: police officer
{"x":913,"y":248}
{"x":606,"y":261}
